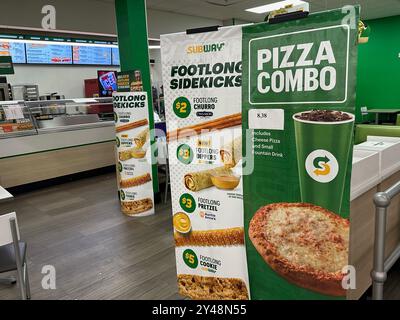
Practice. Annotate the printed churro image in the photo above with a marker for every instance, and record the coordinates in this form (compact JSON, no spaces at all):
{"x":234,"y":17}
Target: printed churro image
{"x":217,"y":124}
{"x":132,"y":125}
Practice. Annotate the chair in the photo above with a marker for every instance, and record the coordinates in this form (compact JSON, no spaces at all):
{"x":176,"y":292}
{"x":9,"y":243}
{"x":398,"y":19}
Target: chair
{"x":162,"y":158}
{"x":13,"y":253}
{"x":364,"y":113}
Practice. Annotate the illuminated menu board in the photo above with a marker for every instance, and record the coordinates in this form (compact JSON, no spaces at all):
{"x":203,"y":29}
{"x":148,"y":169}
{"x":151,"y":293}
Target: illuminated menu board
{"x":92,"y":55}
{"x":48,"y":53}
{"x":115,"y":57}
{"x":14,"y":49}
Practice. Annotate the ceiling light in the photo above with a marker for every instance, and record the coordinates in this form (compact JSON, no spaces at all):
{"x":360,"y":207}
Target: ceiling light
{"x":274,"y":6}
{"x":154,"y":47}
{"x":81,"y":44}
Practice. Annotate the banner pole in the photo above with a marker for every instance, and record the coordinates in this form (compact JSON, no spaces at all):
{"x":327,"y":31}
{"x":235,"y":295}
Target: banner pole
{"x":131,"y":19}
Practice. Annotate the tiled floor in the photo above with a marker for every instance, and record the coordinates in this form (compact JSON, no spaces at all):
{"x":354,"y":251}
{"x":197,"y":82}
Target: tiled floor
{"x":98,"y":252}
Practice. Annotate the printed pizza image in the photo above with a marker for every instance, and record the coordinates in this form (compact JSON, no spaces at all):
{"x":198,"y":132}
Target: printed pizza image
{"x":304,"y":243}
{"x":212,"y":288}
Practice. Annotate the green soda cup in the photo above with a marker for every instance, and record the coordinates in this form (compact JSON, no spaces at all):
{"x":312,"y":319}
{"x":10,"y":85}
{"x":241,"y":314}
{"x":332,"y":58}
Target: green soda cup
{"x":323,"y":150}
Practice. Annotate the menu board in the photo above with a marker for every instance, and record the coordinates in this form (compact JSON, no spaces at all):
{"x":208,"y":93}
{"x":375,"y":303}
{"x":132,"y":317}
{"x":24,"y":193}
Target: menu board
{"x":48,"y":53}
{"x":115,"y":57}
{"x":14,"y":49}
{"x":91,"y":55}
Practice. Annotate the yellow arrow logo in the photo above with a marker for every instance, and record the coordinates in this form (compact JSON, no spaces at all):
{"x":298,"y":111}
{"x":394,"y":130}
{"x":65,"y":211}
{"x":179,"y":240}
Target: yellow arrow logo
{"x":323,"y":172}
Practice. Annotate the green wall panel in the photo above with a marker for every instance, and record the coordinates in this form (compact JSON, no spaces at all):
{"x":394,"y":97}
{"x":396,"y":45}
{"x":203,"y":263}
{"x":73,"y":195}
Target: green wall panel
{"x":378,"y":75}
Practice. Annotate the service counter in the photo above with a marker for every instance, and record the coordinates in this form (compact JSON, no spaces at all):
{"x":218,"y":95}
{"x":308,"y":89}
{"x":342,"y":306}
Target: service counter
{"x":49,"y":139}
{"x":41,"y":140}
{"x":375,"y":168}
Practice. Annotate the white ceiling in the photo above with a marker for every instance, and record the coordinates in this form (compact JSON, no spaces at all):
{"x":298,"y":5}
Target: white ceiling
{"x":228,"y":9}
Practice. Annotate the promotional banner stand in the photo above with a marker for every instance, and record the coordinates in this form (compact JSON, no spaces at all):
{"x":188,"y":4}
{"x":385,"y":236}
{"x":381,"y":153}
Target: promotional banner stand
{"x":298,"y":100}
{"x":202,"y":87}
{"x":133,"y":112}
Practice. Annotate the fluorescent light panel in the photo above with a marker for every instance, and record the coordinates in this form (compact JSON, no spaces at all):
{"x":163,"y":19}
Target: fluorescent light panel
{"x":69,"y":43}
{"x":274,"y":6}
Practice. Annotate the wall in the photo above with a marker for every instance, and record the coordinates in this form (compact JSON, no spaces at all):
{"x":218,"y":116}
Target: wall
{"x":93,"y":16}
{"x":378,"y":76}
{"x":76,"y":15}
{"x":162,"y":22}
{"x":66,"y":80}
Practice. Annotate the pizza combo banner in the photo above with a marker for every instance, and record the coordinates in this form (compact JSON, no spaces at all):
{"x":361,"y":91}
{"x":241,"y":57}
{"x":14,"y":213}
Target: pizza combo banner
{"x":280,"y":230}
{"x":299,"y":82}
{"x":202,"y":86}
{"x":134,"y":164}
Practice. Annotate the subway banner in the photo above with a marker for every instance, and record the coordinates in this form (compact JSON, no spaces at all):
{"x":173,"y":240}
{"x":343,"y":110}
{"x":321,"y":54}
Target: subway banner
{"x":202,"y":76}
{"x":134,"y":166}
{"x":298,"y":106}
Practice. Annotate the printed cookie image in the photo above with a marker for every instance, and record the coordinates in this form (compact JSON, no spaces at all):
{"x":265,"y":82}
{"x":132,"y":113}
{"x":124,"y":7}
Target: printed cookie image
{"x":305,"y":244}
{"x":196,"y":181}
{"x":137,"y":206}
{"x":212,"y":288}
{"x":135,"y":181}
{"x":219,"y":237}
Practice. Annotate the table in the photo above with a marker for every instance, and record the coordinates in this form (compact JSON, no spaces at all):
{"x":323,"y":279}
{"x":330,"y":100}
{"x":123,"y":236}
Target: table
{"x":379,"y":111}
{"x":5,"y":195}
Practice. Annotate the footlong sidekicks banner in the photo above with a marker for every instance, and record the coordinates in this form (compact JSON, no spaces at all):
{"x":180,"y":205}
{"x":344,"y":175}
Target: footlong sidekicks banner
{"x":298,"y":96}
{"x":202,"y":86}
{"x":134,"y":166}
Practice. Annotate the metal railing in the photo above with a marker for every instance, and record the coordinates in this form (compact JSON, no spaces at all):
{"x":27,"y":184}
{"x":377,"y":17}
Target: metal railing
{"x":381,"y":266}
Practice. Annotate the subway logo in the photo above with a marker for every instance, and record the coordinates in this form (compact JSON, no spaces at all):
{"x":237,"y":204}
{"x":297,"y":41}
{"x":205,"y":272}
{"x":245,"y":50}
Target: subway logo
{"x":204,"y":48}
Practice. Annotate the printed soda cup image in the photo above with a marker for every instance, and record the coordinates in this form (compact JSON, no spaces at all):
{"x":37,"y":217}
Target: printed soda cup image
{"x":323,"y":142}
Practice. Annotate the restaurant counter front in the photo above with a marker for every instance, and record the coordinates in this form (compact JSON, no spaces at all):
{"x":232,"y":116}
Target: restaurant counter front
{"x":375,"y":168}
{"x":41,"y":140}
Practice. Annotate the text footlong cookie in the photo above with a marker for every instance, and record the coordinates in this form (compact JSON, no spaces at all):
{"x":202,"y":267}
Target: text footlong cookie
{"x":219,"y":237}
{"x":214,"y":288}
{"x":135,"y":181}
{"x":136,"y":206}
